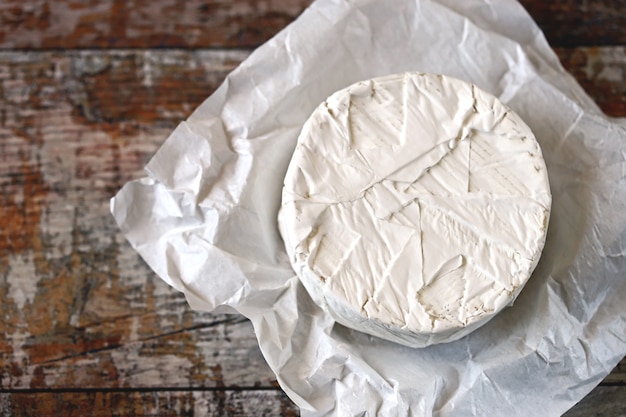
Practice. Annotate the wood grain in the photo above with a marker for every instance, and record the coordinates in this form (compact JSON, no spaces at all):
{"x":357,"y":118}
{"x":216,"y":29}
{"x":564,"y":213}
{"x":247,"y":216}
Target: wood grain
{"x":601,"y":72}
{"x":83,"y":309}
{"x":602,"y":402}
{"x":55,"y":24}
{"x":157,"y":403}
{"x":575,"y":23}
{"x":67,"y":24}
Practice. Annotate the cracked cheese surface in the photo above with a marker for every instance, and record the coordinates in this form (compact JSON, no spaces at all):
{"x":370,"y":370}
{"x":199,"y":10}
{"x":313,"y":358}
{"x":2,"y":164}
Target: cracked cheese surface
{"x":415,"y":207}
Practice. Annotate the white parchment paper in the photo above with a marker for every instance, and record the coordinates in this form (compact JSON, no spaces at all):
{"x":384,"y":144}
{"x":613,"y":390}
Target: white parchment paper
{"x":204,"y":218}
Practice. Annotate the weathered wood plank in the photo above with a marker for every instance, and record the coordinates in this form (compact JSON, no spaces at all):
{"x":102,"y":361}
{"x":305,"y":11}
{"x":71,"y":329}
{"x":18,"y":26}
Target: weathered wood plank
{"x":601,"y":72}
{"x":617,"y":375}
{"x":602,"y":402}
{"x":216,"y":351}
{"x":136,"y":24}
{"x":41,"y":24}
{"x":572,"y":23}
{"x":160,"y":403}
{"x":81,"y":309}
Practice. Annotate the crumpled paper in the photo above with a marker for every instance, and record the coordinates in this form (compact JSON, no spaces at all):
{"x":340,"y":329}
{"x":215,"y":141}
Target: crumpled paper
{"x":205,"y":216}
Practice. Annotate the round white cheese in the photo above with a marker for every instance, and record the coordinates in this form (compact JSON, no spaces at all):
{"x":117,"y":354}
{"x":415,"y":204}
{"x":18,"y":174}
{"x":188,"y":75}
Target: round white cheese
{"x":415,"y":207}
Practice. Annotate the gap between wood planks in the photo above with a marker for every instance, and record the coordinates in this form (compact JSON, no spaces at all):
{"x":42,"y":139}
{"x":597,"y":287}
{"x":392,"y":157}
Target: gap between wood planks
{"x":236,"y":319}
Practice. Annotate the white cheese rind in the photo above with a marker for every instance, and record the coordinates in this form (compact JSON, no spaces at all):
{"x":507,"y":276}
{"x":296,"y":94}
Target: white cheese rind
{"x":415,"y":207}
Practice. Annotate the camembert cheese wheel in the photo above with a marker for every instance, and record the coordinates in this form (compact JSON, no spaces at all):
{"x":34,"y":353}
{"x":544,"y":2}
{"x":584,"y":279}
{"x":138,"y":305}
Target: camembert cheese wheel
{"x":415,"y":207}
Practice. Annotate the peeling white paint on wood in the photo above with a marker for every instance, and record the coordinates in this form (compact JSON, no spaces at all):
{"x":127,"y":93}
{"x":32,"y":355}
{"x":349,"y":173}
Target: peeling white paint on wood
{"x":22,"y":279}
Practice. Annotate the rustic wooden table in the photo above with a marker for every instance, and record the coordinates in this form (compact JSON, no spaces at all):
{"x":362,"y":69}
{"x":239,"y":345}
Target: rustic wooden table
{"x":88,"y":91}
